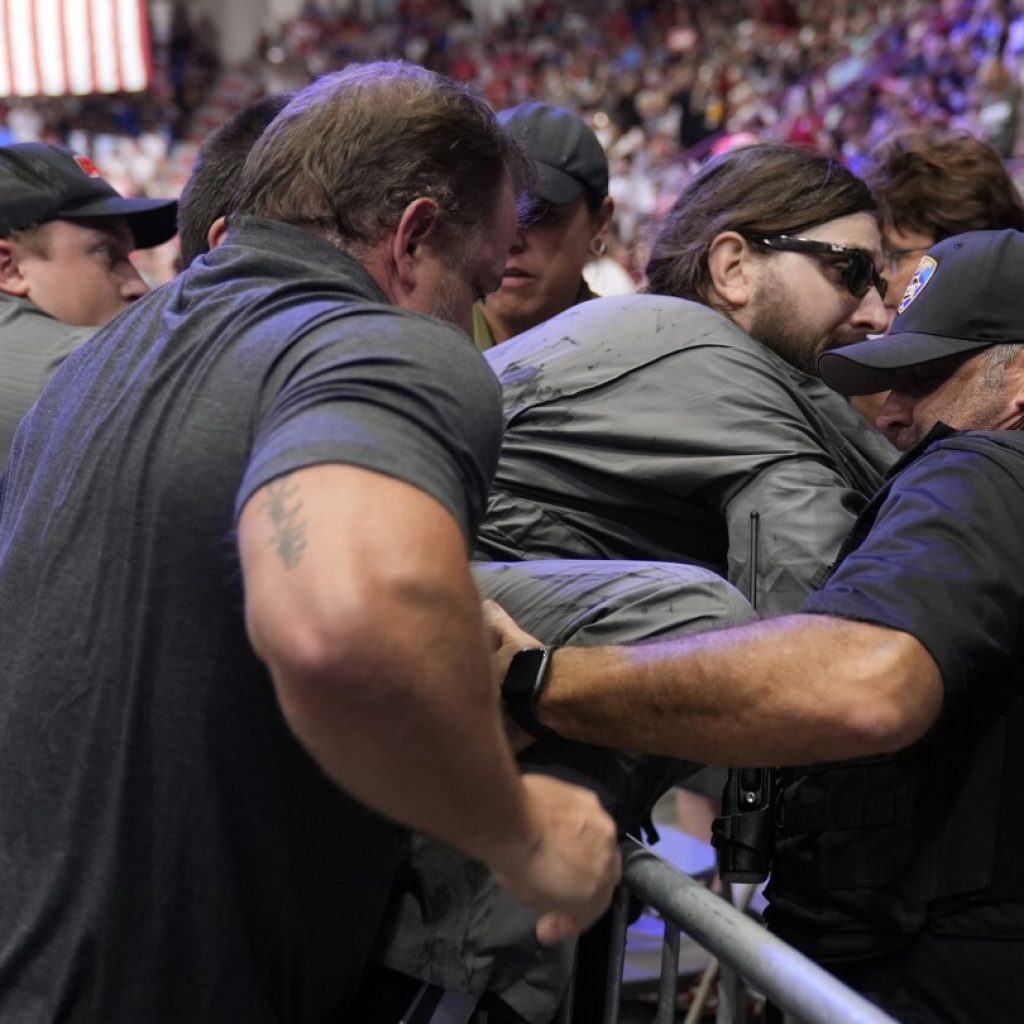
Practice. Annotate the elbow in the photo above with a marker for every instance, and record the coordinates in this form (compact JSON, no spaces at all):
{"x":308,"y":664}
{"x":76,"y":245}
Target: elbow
{"x":359,"y":640}
{"x":304,"y":649}
{"x":882,"y":724}
{"x":326,"y":677}
{"x":892,"y":699}
{"x":291,"y":645}
{"x":332,"y":682}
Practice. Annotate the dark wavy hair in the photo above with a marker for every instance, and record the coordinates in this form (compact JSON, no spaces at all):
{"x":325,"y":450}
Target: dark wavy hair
{"x":766,"y":188}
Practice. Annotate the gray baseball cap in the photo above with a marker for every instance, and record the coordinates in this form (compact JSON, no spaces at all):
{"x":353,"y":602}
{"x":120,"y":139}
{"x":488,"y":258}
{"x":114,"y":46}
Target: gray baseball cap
{"x":569,"y":159}
{"x":965,"y":296}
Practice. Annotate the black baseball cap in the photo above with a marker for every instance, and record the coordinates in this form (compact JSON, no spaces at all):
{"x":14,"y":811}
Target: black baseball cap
{"x":40,"y":182}
{"x":569,"y":159}
{"x":964,"y":297}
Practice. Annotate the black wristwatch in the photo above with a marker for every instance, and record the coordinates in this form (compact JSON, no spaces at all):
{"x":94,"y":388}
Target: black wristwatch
{"x":524,"y":683}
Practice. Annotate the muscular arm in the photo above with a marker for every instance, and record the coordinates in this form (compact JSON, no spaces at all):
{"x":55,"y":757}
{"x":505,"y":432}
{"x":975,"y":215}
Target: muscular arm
{"x":359,"y":599}
{"x":794,"y":690}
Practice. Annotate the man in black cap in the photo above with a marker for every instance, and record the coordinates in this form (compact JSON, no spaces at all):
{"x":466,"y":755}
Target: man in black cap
{"x":65,"y":239}
{"x":568,"y":226}
{"x":895,"y":694}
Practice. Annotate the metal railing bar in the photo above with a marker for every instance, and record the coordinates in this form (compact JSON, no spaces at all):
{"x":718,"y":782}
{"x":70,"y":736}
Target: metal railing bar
{"x":616,"y":955}
{"x":669,"y":975}
{"x":787,"y":977}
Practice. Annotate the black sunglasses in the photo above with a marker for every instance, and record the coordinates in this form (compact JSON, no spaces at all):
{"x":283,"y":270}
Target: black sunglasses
{"x":859,"y":274}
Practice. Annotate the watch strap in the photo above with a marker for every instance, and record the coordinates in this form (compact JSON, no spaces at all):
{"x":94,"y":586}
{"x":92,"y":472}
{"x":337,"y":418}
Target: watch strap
{"x":522,"y":687}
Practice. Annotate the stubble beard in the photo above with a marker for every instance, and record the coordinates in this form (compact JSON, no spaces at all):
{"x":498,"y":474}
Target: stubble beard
{"x":776,"y":325}
{"x":444,"y":305}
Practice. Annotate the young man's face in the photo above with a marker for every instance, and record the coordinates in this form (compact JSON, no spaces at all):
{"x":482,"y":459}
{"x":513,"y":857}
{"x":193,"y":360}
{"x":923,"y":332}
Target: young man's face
{"x":84,"y":276}
{"x":800,"y":306}
{"x":968,"y":393}
{"x":544,"y":267}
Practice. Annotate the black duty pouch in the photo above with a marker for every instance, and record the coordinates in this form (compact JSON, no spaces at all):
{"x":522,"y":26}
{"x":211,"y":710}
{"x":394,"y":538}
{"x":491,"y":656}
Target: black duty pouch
{"x":744,"y":834}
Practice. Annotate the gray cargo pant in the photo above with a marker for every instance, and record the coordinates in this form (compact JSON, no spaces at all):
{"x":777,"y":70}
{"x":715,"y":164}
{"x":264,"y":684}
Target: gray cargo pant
{"x":454,"y":926}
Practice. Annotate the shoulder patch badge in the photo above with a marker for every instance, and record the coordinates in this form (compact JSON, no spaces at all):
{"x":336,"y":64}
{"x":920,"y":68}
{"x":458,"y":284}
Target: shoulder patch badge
{"x":921,"y":277}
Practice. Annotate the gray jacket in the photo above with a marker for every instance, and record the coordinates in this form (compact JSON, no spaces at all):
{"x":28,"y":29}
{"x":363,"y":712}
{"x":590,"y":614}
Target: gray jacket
{"x":32,"y":345}
{"x":651,"y":428}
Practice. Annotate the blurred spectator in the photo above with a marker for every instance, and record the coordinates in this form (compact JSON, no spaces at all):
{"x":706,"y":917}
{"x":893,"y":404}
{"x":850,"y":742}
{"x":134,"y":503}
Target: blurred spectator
{"x":931,"y":183}
{"x":997,"y":100}
{"x":205,"y":197}
{"x":65,"y":240}
{"x":191,"y":65}
{"x":568,"y":225}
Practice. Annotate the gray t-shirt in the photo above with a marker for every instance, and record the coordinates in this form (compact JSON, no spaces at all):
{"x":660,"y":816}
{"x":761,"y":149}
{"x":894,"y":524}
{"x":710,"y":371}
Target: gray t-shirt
{"x":651,"y":428}
{"x":169,"y":852}
{"x":32,"y":346}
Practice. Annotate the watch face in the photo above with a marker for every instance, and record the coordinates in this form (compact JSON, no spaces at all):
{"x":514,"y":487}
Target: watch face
{"x":524,"y":671}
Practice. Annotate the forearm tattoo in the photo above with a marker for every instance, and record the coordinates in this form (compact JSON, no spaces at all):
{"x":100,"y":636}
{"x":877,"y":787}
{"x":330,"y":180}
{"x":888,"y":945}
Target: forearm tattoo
{"x":284,"y":508}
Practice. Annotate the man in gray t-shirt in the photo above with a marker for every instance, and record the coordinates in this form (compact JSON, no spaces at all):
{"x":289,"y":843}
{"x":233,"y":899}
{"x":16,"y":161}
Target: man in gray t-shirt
{"x":241,"y":642}
{"x":65,"y":240}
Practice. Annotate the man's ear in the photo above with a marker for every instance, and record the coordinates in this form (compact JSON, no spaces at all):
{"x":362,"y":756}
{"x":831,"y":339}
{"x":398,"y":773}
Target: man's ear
{"x":418,"y":225}
{"x":217,"y":233}
{"x":732,"y":271}
{"x":12,"y":280}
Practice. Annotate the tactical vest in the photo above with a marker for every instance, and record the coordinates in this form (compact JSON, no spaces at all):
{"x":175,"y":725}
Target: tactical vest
{"x":867,"y":851}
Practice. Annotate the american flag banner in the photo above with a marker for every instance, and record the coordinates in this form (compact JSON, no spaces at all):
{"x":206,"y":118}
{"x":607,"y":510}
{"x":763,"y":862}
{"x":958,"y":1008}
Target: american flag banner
{"x":61,"y":47}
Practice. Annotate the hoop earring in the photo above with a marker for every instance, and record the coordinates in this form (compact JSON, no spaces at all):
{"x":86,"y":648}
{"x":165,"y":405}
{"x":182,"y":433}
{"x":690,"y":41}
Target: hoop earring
{"x":598,"y":247}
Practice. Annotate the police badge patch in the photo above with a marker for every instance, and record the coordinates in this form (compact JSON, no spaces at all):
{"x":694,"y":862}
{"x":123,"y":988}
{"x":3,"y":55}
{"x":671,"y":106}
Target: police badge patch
{"x":921,"y":277}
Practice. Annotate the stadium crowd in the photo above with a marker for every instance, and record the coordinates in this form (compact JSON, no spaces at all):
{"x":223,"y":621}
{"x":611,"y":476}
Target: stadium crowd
{"x":663,"y":84}
{"x":777,"y":426}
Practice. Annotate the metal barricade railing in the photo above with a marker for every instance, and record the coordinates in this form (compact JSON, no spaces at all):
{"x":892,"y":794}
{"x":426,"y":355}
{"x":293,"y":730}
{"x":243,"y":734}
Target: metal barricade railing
{"x":789,"y":979}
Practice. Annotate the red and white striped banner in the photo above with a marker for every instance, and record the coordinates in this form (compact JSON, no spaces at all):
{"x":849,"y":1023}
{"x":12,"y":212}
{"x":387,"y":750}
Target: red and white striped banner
{"x":57,"y":47}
